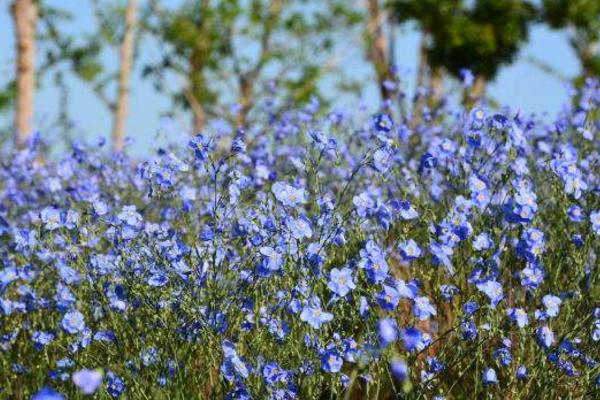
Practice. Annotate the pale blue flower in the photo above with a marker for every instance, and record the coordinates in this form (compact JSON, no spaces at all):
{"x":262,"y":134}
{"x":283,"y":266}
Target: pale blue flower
{"x":87,"y":380}
{"x":341,"y":281}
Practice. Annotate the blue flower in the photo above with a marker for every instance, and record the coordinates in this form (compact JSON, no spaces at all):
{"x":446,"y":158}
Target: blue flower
{"x":596,"y":330}
{"x":105,"y":336}
{"x":575,"y":213}
{"x":519,"y":316}
{"x":350,"y":349}
{"x":482,"y":242}
{"x":409,"y":250}
{"x":149,"y":356}
{"x":441,"y":255}
{"x":87,"y":380}
{"x":331,"y":361}
{"x":71,"y":219}
{"x":239,"y":393}
{"x":233,"y":365}
{"x":388,"y":331}
{"x":469,"y":329}
{"x":201,"y":146}
{"x":158,"y":279}
{"x":447,"y":147}
{"x":52,"y":218}
{"x":399,"y":370}
{"x":448,"y":292}
{"x":207,"y":234}
{"x":382,"y":160}
{"x":383,"y":123}
{"x":575,"y":185}
{"x":272,"y":259}
{"x":364,"y":204}
{"x":595,"y":221}
{"x":363,"y":309}
{"x":345,"y":380}
{"x":41,"y":339}
{"x":288,"y":195}
{"x":470,"y":307}
{"x":434,"y":365}
{"x":238,"y":145}
{"x":130,"y":216}
{"x":389,"y":298}
{"x":279,"y":329}
{"x":544,"y":336}
{"x":47,"y":394}
{"x":493,"y":290}
{"x":532,"y":276}
{"x":413,"y":339}
{"x":577,"y":240}
{"x":422,"y":308}
{"x":428,"y":162}
{"x":273,"y":373}
{"x":299,"y":227}
{"x":407,"y":290}
{"x":552,"y":304}
{"x":488,"y":377}
{"x":466,"y":77}
{"x":503,"y":356}
{"x":498,"y":121}
{"x":376,"y":269}
{"x":521,"y":372}
{"x":73,"y":322}
{"x":405,"y":209}
{"x":341,"y":281}
{"x":100,"y":207}
{"x":314,"y":315}
{"x":477,"y":183}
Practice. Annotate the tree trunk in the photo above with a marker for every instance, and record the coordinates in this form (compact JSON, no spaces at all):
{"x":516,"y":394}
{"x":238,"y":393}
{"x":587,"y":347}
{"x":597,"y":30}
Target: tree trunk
{"x":420,"y":98}
{"x":378,"y":48}
{"x":586,"y":58}
{"x":126,"y":61}
{"x":478,"y":90}
{"x":437,"y":85}
{"x":199,"y":120}
{"x":245,"y":99}
{"x":25,"y":16}
{"x":423,"y":61}
{"x":198,"y":114}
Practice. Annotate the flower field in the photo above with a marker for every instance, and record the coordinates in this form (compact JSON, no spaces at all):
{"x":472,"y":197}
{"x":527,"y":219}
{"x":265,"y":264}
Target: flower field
{"x":315,"y":256}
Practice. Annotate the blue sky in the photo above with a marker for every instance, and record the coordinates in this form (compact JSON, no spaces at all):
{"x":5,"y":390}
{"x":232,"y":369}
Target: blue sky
{"x":521,"y":85}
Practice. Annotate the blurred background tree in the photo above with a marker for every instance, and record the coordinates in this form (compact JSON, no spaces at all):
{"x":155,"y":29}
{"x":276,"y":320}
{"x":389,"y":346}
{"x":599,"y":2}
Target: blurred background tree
{"x":82,"y":55}
{"x":235,"y":52}
{"x":25,"y":14}
{"x":481,"y":36}
{"x":224,"y":60}
{"x":380,"y":51}
{"x":115,"y":30}
{"x":426,"y":14}
{"x":582,"y":20}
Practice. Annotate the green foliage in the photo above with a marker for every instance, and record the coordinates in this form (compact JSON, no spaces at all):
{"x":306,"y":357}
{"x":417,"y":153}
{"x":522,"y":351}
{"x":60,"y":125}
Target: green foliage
{"x":581,"y":14}
{"x":224,"y":51}
{"x":7,"y":96}
{"x":481,"y":37}
{"x":426,"y":13}
{"x":85,"y":61}
{"x":197,"y":37}
{"x":583,"y":18}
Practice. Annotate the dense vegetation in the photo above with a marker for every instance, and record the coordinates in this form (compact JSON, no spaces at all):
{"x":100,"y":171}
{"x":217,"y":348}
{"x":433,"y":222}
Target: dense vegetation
{"x":314,"y":255}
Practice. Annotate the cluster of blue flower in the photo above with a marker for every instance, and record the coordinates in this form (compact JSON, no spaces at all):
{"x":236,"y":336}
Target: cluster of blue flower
{"x":312,"y":257}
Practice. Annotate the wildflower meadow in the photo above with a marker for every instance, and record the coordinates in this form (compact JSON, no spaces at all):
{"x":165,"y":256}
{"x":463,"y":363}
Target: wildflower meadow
{"x":318,"y":255}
